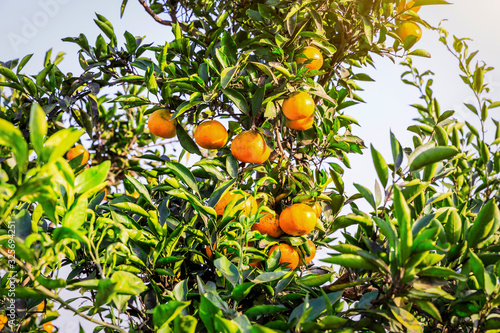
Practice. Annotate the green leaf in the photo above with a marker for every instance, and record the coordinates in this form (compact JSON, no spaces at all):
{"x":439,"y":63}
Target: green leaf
{"x":350,"y":260}
{"x":8,"y":74}
{"x":403,"y":215}
{"x":263,"y":310}
{"x":141,"y":188}
{"x":420,"y":53}
{"x":316,"y":305}
{"x":122,"y":7}
{"x":453,"y":227}
{"x":11,"y":137}
{"x":163,"y":314}
{"x":130,"y":207}
{"x":397,"y":152}
{"x":256,"y":328}
{"x":380,"y":166}
{"x":150,"y":80}
{"x":269,"y":276}
{"x":222,"y":325}
{"x":184,"y":174}
{"x":238,"y":99}
{"x":59,"y":143}
{"x":487,"y":218}
{"x":75,"y":218}
{"x":315,"y":280}
{"x":442,"y":272}
{"x":23,"y":62}
{"x":432,"y":155}
{"x":266,"y":70}
{"x":227,"y":269}
{"x":226,"y":76}
{"x":406,"y":319}
{"x":367,"y":194}
{"x":368,"y":28}
{"x":207,"y":311}
{"x":187,"y":141}
{"x":173,"y":239}
{"x":429,"y":308}
{"x":214,"y":198}
{"x":106,"y":27}
{"x":127,"y":283}
{"x":241,"y":291}
{"x":51,"y":284}
{"x":92,"y":177}
{"x":388,"y":230}
{"x":105,"y":292}
{"x":23,"y":292}
{"x":257,"y":100}
{"x":482,"y":276}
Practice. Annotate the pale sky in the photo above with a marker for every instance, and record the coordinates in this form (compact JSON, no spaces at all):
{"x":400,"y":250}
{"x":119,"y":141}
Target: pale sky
{"x":34,"y":26}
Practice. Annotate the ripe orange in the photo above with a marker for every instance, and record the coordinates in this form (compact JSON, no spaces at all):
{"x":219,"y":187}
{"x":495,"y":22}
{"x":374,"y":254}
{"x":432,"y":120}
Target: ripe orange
{"x":312,"y":247}
{"x":298,"y":219}
{"x":210,"y":134}
{"x":159,"y":124}
{"x":77,"y":151}
{"x":288,"y":255}
{"x":299,"y":105}
{"x":404,"y":6}
{"x":408,"y":28}
{"x":48,"y":327}
{"x":317,"y":209}
{"x":249,"y":206}
{"x":312,"y":54}
{"x":250,"y":147}
{"x":300,"y":124}
{"x":268,"y":225}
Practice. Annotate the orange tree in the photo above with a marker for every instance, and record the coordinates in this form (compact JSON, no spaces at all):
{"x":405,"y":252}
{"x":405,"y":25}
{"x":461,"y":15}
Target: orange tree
{"x":150,"y":244}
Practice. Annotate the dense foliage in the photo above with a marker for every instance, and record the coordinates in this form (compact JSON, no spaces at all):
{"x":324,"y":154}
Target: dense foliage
{"x":129,"y":231}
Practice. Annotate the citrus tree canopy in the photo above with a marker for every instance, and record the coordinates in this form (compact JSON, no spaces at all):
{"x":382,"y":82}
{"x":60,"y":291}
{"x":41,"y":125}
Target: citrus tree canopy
{"x":253,"y":98}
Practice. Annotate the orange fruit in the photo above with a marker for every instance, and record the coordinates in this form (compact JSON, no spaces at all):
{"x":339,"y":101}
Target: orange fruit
{"x":249,"y":206}
{"x":159,"y":124}
{"x":77,"y":151}
{"x":40,"y":307}
{"x":254,"y":264}
{"x":298,"y":219}
{"x":209,"y":251}
{"x":268,"y":225}
{"x":250,"y":147}
{"x":300,"y":124}
{"x":288,"y":255}
{"x":312,"y":247}
{"x":311,"y":53}
{"x":299,"y":105}
{"x":48,"y":327}
{"x":3,"y":321}
{"x":317,"y":209}
{"x":404,"y":6}
{"x":407,"y":29}
{"x":210,"y":134}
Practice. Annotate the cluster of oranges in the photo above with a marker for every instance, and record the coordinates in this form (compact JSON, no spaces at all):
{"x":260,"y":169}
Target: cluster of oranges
{"x":249,"y":146}
{"x":299,"y":107}
{"x":296,"y":220}
{"x":407,"y":27}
